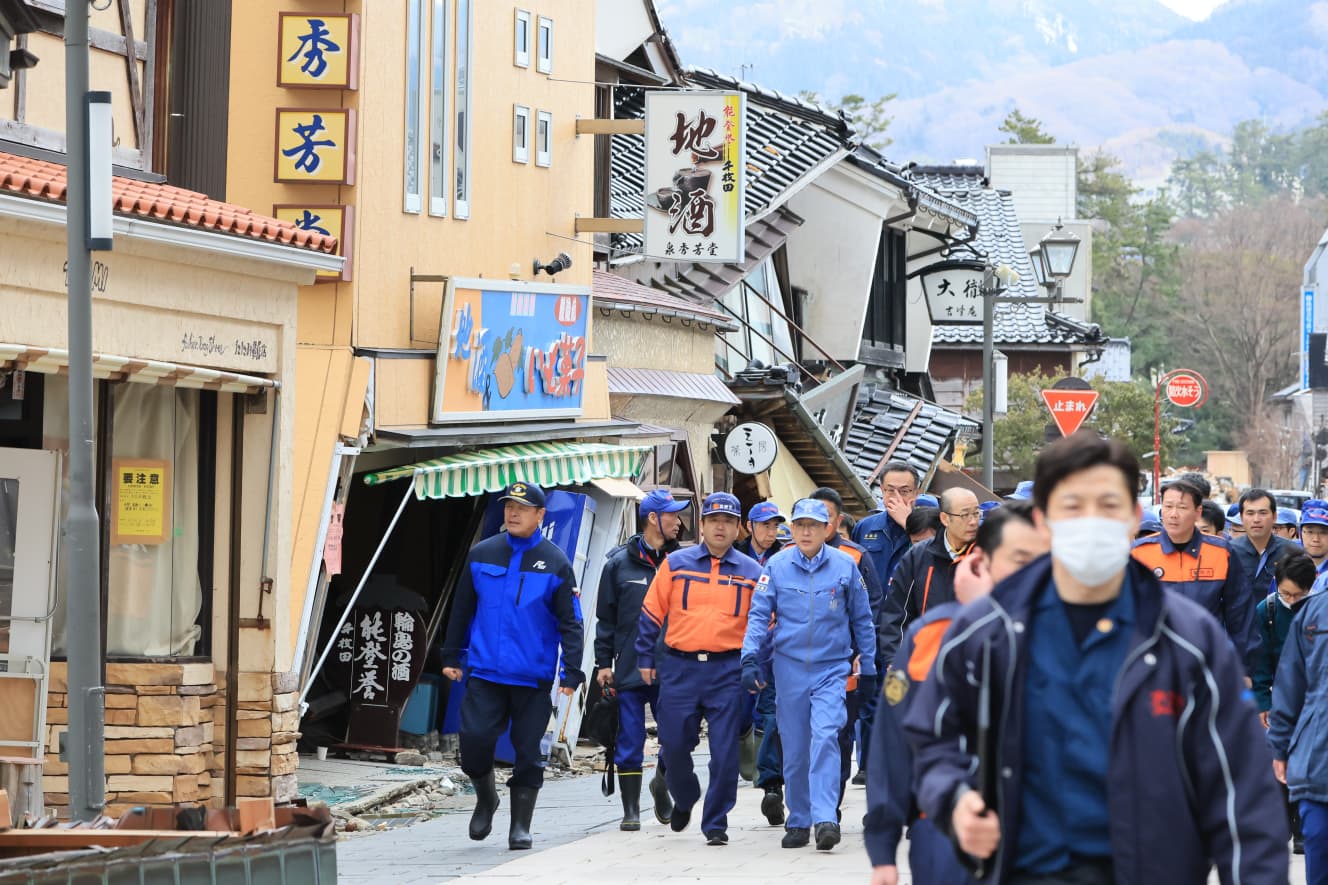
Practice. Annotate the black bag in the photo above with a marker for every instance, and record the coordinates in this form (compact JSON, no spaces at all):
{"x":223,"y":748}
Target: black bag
{"x":600,"y":724}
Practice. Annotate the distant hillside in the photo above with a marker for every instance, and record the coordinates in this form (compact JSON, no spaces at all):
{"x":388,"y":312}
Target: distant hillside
{"x":1130,"y":75}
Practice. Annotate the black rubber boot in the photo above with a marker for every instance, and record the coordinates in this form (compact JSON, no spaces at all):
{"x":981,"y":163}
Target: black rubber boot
{"x":486,"y":803}
{"x":747,"y":755}
{"x":523,"y":809}
{"x":630,"y":787}
{"x":659,"y":790}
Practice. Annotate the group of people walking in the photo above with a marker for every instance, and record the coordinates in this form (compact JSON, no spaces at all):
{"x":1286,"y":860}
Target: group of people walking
{"x":1061,"y":699}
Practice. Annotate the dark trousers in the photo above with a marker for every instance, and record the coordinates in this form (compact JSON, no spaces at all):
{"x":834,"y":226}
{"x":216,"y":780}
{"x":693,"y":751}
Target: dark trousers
{"x":488,"y":709}
{"x":690,"y":691}
{"x":769,"y":756}
{"x":630,"y":753}
{"x":1314,"y":827}
{"x":853,"y":703}
{"x":931,"y":856}
{"x":1085,"y":871}
{"x":1293,"y":811}
{"x":866,"y":715}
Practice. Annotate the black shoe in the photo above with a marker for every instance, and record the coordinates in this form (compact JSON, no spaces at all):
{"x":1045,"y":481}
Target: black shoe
{"x":860,"y":779}
{"x":679,"y":820}
{"x":1298,"y":845}
{"x":659,"y":791}
{"x":796,"y":837}
{"x":523,"y":809}
{"x":717,"y":837}
{"x":827,"y":836}
{"x":630,"y":787}
{"x":486,"y":803}
{"x":772,"y":806}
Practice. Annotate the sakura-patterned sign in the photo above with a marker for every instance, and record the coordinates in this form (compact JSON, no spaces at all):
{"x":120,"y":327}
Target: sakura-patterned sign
{"x":695,"y":176}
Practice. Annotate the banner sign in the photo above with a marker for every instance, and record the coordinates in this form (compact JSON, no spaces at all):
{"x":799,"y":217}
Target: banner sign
{"x":1306,"y":329}
{"x":695,"y":176}
{"x":510,"y":350}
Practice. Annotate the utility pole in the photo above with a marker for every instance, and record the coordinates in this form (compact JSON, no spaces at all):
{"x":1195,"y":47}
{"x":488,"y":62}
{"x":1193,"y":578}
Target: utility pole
{"x":84,"y":740}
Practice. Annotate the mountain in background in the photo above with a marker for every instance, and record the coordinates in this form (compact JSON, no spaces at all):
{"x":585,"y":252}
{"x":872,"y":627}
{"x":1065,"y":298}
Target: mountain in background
{"x":1129,"y":76}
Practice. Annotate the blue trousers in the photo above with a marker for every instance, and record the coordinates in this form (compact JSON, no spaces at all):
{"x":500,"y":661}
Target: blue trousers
{"x":811,"y":711}
{"x":690,"y":691}
{"x":769,"y":756}
{"x":931,"y":855}
{"x":1314,"y":827}
{"x":629,"y":755}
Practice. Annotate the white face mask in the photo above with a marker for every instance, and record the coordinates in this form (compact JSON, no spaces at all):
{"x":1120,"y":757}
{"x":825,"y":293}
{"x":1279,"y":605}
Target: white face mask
{"x":1093,"y":549}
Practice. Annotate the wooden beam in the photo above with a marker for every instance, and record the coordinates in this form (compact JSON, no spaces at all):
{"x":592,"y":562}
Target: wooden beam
{"x":599,"y":126}
{"x":131,"y":64}
{"x":610,"y":225}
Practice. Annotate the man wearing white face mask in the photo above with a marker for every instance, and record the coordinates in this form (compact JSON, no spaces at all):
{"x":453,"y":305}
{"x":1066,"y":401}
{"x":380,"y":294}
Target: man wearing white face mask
{"x":1080,"y":671}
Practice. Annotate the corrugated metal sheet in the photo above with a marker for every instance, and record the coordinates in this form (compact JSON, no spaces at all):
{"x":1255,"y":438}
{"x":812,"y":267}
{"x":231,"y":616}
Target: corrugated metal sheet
{"x":658,"y":382}
{"x":881,"y":418}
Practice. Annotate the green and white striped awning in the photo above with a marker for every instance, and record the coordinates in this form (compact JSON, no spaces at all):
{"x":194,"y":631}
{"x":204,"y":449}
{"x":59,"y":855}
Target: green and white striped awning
{"x":491,"y":470}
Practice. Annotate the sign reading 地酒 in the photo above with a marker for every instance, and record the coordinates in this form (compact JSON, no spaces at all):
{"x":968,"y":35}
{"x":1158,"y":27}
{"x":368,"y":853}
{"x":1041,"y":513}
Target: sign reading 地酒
{"x":510,"y":350}
{"x":695,"y":143}
{"x":140,"y":501}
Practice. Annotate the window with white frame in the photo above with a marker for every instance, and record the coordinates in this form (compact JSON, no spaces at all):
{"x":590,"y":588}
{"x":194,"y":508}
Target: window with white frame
{"x":544,"y":46}
{"x":465,"y":20}
{"x":438,"y":112}
{"x":520,"y":134}
{"x":521,"y":50}
{"x":544,"y":139}
{"x":415,"y":116}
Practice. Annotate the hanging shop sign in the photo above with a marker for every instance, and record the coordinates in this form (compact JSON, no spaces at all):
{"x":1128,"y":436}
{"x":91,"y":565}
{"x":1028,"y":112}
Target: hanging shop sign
{"x":954,"y":292}
{"x":140,"y":501}
{"x":510,"y":350}
{"x":751,"y":448}
{"x":695,"y":175}
{"x":315,"y":146}
{"x":330,"y":220}
{"x":318,"y":50}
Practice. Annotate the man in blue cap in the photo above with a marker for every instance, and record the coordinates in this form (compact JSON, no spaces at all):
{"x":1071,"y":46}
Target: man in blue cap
{"x":1314,"y":538}
{"x":817,"y":600}
{"x":884,"y":535}
{"x":698,"y":601}
{"x":1288,"y":523}
{"x":763,"y":522}
{"x":1022,"y":492}
{"x":1234,"y":528}
{"x":514,"y":603}
{"x":628,"y":571}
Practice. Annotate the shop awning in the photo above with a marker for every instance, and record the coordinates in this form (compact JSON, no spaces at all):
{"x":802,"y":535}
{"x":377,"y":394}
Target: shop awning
{"x":490,"y":470}
{"x":54,"y":361}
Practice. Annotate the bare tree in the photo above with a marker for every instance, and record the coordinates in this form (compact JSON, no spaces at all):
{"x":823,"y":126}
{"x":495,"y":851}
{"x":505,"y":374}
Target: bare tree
{"x":1238,"y":303}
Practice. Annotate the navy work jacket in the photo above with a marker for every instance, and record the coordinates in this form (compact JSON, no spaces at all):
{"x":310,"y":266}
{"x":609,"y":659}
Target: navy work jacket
{"x":623,"y":583}
{"x":884,"y":540}
{"x":1189,"y":777}
{"x":1298,"y":721}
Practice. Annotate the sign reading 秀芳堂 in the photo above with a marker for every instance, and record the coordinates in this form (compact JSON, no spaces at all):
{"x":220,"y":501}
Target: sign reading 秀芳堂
{"x":695,"y":179}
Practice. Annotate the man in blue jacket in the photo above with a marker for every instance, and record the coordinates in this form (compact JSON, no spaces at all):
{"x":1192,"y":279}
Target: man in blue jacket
{"x":817,"y":600}
{"x":1259,"y":548}
{"x":628,"y":571}
{"x":883,"y":535}
{"x":514,"y":603}
{"x":1079,"y":672}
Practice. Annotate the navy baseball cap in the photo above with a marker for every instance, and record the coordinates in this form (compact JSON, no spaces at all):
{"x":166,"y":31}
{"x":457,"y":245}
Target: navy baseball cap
{"x":1314,"y":512}
{"x":661,"y":501}
{"x":810,"y":508}
{"x":524,"y":493}
{"x":927,"y":501}
{"x":1233,"y":514}
{"x":764,"y":512}
{"x":721,"y":503}
{"x":1287,"y":516}
{"x":1022,"y":492}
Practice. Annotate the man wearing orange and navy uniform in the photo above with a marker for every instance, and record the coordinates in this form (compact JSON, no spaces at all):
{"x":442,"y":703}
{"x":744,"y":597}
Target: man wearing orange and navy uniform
{"x":699,"y":599}
{"x":1201,"y":567}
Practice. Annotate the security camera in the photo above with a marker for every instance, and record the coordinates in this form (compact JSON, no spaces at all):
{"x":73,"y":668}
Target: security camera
{"x":559,"y":264}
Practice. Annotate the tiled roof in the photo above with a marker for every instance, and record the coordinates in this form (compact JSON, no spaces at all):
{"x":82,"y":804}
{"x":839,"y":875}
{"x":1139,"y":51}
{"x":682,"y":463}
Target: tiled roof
{"x":786,"y":139}
{"x":882,"y":416}
{"x":162,"y":203}
{"x":707,"y":283}
{"x":948,"y":178}
{"x":610,"y":290}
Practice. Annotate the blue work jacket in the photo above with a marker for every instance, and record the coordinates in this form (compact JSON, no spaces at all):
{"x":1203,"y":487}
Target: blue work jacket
{"x":514,"y":603}
{"x":1298,"y":720}
{"x":1189,"y":777}
{"x":1274,"y":622}
{"x":884,"y":540}
{"x":820,"y":609}
{"x":1258,"y":567}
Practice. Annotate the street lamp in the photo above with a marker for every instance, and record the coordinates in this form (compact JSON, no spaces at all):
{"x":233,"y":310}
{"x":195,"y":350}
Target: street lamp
{"x":1057,"y":250}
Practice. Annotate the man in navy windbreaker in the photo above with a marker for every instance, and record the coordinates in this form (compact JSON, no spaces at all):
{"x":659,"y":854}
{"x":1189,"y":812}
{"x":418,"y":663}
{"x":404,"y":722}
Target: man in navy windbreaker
{"x":514,"y":603}
{"x":1122,"y":744}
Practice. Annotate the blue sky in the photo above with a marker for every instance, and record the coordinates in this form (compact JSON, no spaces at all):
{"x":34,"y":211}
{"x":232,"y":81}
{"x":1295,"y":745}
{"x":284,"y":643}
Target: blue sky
{"x":1195,"y":9}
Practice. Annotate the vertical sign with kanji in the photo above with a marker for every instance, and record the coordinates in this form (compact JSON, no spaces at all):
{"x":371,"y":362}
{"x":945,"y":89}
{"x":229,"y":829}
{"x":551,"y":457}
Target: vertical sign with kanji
{"x":315,"y":146}
{"x":695,"y":176}
{"x":381,"y":653}
{"x":318,"y":50}
{"x":140,"y":501}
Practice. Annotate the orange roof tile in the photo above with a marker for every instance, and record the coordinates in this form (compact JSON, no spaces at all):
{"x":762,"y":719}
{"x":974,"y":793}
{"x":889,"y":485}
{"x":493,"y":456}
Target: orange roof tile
{"x":160,"y":202}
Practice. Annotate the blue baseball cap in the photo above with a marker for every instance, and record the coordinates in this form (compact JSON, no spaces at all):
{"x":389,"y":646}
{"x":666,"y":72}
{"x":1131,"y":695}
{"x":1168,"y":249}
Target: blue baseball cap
{"x":1233,"y":514}
{"x":1022,"y":492}
{"x":1314,"y":512}
{"x":810,"y":508}
{"x":988,"y":506}
{"x":661,"y":501}
{"x":783,"y":534}
{"x":1287,"y":516}
{"x":1150,"y":525}
{"x":927,"y":501}
{"x":524,"y":493}
{"x":764,"y":512}
{"x":717,"y":503}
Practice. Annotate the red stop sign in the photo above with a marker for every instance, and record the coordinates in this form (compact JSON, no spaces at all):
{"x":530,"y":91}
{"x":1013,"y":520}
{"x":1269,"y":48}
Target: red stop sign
{"x":1186,"y":390}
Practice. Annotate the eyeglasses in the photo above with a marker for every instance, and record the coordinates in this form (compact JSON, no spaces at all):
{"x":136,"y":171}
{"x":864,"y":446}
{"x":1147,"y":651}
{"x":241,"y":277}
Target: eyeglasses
{"x":967,"y":515}
{"x":899,"y":490}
